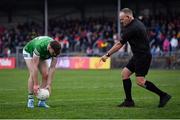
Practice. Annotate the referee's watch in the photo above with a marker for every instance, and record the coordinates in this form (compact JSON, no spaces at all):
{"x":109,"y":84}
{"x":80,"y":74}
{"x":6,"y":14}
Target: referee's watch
{"x":108,"y":55}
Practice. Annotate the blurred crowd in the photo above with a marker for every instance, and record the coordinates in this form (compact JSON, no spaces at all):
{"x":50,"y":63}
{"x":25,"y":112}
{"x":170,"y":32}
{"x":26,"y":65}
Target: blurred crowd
{"x":164,"y":33}
{"x":92,"y":36}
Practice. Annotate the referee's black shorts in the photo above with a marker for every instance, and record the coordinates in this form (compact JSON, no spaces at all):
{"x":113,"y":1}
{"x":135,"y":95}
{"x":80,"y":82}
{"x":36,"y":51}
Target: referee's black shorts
{"x":140,"y":64}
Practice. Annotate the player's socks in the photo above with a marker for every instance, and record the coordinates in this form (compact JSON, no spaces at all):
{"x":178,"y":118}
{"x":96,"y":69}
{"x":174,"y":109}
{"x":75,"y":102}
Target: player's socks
{"x":151,"y":87}
{"x":127,"y":89}
{"x":30,"y":103}
{"x":42,"y":103}
{"x":30,"y":96}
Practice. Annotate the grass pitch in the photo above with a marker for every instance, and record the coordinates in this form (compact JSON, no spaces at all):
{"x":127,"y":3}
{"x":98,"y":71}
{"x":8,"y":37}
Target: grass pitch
{"x":89,"y":94}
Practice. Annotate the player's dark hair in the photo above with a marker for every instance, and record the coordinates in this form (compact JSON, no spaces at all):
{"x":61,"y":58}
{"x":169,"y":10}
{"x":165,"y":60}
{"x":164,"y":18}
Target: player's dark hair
{"x":55,"y":45}
{"x":127,"y":11}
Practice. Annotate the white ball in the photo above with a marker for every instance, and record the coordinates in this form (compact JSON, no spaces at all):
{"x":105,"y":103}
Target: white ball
{"x":43,"y":94}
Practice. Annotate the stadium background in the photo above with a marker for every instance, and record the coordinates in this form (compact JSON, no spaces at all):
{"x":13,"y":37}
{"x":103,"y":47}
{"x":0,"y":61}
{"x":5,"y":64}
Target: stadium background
{"x":89,"y":28}
{"x":86,"y":29}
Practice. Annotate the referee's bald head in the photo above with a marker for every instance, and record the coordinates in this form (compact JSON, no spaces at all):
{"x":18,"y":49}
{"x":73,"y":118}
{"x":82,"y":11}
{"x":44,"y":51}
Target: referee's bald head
{"x":125,"y":16}
{"x":127,"y":11}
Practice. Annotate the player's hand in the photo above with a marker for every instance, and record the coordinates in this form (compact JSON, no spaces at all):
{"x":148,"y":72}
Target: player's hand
{"x":35,"y":88}
{"x":48,"y":87}
{"x":103,"y":58}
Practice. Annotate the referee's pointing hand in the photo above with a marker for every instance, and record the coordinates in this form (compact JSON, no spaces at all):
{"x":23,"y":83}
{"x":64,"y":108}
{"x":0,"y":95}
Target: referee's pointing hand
{"x":103,"y":58}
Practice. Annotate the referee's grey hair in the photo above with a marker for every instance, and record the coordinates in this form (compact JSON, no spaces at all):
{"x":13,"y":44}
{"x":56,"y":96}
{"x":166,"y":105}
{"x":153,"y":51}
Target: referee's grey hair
{"x":127,"y":11}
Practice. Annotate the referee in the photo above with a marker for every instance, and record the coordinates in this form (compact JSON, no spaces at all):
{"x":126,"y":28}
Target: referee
{"x":135,"y":33}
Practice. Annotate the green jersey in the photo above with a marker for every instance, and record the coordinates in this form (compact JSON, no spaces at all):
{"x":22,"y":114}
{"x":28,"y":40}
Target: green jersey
{"x":39,"y":46}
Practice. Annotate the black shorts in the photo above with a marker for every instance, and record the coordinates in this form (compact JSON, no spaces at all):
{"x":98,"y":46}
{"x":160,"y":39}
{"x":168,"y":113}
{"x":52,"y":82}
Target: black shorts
{"x":140,"y":64}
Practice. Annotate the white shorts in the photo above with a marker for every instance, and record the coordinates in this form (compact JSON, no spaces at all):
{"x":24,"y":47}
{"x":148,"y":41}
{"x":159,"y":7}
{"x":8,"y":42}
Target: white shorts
{"x":26,"y":55}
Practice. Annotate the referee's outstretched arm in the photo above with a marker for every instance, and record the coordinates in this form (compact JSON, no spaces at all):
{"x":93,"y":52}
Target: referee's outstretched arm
{"x":114,"y":49}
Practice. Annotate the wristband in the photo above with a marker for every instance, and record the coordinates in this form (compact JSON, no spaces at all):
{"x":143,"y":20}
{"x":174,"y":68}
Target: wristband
{"x":108,"y":55}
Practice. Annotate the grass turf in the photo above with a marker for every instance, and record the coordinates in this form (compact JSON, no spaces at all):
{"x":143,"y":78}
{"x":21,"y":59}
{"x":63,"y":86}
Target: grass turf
{"x":89,"y":94}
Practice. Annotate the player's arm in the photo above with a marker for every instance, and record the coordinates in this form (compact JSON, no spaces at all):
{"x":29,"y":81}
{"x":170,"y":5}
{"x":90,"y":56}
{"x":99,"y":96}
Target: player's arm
{"x":114,"y":49}
{"x":51,"y":71}
{"x":35,"y":61}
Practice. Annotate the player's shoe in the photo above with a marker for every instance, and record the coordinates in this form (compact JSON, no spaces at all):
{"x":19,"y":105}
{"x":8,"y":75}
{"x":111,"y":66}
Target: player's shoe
{"x":127,"y":103}
{"x":42,"y":103}
{"x":30,"y":103}
{"x":164,"y":100}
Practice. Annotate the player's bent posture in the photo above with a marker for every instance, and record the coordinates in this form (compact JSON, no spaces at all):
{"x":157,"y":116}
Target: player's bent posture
{"x":35,"y":53}
{"x":135,"y":33}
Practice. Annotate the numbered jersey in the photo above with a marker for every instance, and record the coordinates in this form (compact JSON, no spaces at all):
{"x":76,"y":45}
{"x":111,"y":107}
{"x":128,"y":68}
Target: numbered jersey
{"x":38,"y":46}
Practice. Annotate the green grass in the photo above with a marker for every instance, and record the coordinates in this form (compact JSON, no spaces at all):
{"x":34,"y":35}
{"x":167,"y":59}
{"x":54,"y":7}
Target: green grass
{"x":89,"y":94}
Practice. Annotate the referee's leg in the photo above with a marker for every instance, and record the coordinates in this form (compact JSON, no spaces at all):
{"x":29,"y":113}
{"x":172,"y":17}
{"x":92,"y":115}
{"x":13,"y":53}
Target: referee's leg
{"x":127,"y":85}
{"x":141,"y":69}
{"x":125,"y":74}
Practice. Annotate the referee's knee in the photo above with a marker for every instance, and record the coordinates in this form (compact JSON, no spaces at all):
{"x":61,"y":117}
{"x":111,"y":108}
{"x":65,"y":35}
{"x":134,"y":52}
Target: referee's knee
{"x":140,"y":81}
{"x":124,"y":75}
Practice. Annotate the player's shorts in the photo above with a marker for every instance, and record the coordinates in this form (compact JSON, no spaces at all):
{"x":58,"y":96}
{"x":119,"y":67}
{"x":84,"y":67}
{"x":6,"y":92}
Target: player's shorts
{"x":26,"y":55}
{"x":140,"y":65}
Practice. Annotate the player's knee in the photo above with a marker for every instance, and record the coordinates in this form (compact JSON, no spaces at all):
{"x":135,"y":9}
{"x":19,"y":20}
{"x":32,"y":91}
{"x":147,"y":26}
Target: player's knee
{"x":45,"y":76}
{"x":140,"y":81}
{"x":30,"y":74}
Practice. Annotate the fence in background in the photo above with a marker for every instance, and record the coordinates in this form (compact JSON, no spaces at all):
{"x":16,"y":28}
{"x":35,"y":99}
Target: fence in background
{"x":71,"y":61}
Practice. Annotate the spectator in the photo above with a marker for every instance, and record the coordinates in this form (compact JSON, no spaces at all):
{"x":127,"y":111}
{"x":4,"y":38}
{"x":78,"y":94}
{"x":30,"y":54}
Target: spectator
{"x":174,"y":43}
{"x":6,"y":52}
{"x":96,"y":33}
{"x":166,"y":45}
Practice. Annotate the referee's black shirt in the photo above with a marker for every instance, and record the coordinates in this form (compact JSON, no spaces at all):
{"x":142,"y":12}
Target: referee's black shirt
{"x":135,"y":33}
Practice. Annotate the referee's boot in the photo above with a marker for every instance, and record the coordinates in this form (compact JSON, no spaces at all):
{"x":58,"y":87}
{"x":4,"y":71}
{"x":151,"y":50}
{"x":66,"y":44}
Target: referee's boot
{"x":164,"y":100}
{"x":127,"y":103}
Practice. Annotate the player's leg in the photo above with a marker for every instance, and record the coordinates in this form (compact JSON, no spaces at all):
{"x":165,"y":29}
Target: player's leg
{"x":141,"y":69}
{"x":30,"y":80}
{"x":43,"y":68}
{"x":28,"y":60}
{"x":126,"y":73}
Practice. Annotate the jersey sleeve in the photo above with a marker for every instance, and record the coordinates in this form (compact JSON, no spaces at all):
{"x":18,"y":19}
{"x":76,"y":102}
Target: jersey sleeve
{"x":37,"y":50}
{"x":126,"y":36}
